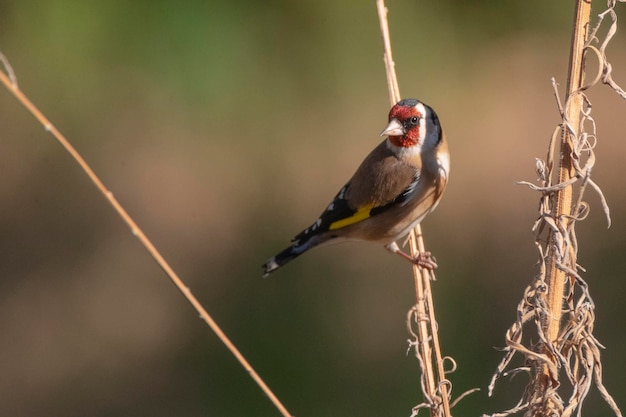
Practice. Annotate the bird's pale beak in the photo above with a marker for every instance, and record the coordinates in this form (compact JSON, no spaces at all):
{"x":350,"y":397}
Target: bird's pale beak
{"x":394,"y":128}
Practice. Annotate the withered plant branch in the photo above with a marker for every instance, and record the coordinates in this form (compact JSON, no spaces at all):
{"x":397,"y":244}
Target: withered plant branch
{"x":556,"y":277}
{"x":436,"y":388}
{"x":11,"y":84}
{"x":558,"y":302}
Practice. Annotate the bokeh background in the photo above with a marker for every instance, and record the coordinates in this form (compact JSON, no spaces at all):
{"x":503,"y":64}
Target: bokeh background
{"x":224,"y":127}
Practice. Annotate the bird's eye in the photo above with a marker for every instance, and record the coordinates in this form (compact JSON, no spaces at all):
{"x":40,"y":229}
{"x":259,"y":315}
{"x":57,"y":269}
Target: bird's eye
{"x":414,"y":119}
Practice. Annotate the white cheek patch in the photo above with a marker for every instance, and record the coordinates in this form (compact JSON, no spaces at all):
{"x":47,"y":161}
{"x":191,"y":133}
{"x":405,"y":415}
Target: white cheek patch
{"x":422,"y":111}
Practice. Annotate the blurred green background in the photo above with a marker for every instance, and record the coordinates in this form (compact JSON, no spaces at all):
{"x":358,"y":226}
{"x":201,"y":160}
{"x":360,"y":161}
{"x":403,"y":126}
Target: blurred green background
{"x":224,"y":128}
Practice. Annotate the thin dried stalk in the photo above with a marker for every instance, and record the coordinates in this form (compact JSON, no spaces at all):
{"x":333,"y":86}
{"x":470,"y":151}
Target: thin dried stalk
{"x":10,"y":82}
{"x":558,"y":301}
{"x":558,"y":251}
{"x":436,"y":388}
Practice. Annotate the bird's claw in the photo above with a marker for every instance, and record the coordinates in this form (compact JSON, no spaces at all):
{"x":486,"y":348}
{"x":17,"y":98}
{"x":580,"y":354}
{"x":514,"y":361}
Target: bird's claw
{"x":426,"y":260}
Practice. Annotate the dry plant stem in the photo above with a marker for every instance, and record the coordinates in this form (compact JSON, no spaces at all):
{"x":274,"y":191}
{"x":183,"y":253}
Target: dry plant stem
{"x":423,"y":292}
{"x":13,"y":88}
{"x":435,"y":383}
{"x":557,"y":303}
{"x":556,"y":276}
{"x":422,"y":316}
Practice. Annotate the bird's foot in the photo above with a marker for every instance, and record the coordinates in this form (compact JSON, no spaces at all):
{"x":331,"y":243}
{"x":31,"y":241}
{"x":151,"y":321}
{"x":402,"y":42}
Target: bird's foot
{"x":426,"y":260}
{"x":423,"y":259}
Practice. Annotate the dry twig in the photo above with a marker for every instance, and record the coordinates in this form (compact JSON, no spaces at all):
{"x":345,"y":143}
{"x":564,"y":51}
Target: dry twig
{"x":10,"y":83}
{"x":436,"y":388}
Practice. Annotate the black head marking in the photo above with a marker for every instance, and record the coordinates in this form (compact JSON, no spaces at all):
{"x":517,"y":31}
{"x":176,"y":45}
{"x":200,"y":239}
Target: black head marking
{"x":408,"y":102}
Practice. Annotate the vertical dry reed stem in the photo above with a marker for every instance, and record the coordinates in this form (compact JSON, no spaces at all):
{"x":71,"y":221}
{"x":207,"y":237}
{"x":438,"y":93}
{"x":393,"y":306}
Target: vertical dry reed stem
{"x":435,"y":387}
{"x":557,"y":253}
{"x":556,"y":277}
{"x":11,"y":85}
{"x":557,"y":304}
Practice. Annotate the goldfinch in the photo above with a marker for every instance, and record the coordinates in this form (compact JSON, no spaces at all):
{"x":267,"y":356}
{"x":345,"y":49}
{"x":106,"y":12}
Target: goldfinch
{"x":394,"y":188}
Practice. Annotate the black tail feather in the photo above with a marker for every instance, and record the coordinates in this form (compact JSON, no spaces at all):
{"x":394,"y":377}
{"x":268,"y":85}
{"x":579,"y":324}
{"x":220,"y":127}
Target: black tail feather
{"x":297,"y":248}
{"x":279,"y":260}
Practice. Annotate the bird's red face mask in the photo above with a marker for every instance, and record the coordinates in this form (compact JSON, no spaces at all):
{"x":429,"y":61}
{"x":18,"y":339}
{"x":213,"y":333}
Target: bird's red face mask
{"x":405,"y":126}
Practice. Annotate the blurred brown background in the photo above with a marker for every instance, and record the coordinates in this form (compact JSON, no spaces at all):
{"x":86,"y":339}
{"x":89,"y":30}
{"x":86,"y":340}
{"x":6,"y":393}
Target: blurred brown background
{"x":224,"y":128}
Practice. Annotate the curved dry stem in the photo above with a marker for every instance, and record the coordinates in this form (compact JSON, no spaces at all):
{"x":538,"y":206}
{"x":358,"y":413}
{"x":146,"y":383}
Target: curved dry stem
{"x":11,"y":84}
{"x":436,"y":389}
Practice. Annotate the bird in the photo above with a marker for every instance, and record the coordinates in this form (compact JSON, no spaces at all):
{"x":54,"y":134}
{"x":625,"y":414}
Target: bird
{"x":400,"y":182}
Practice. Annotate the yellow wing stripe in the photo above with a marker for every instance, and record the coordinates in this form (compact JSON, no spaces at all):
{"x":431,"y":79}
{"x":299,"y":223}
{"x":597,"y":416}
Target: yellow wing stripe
{"x":360,"y":215}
